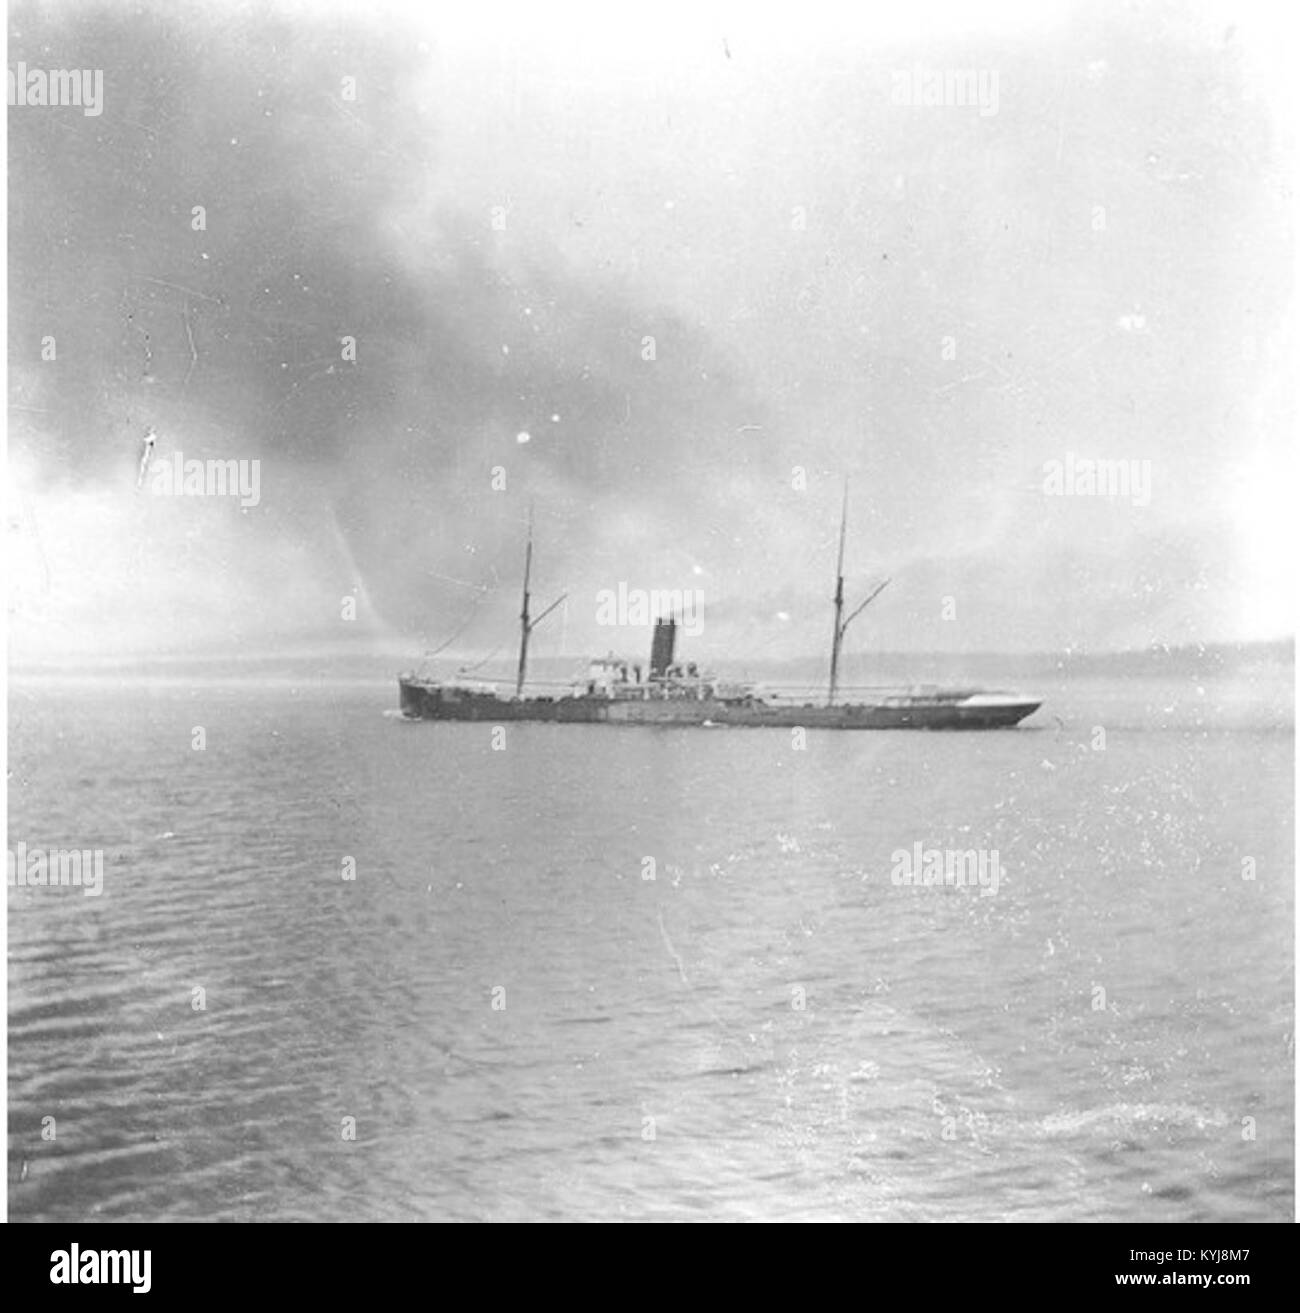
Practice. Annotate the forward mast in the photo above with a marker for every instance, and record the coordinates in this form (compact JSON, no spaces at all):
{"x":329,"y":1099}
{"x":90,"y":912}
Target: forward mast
{"x":527,"y":625}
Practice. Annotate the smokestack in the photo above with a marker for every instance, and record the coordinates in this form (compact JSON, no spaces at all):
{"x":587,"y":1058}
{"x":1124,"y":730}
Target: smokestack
{"x":661,"y":649}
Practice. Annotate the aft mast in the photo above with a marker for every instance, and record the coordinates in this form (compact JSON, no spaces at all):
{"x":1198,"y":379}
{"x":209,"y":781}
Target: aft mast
{"x":842,"y":624}
{"x":525,"y":625}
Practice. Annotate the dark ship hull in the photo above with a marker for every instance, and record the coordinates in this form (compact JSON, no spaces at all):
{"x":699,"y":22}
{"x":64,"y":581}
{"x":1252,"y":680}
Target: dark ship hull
{"x":946,"y":709}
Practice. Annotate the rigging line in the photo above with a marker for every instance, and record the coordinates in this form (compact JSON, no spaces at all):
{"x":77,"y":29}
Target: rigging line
{"x":486,"y":659}
{"x":460,"y":629}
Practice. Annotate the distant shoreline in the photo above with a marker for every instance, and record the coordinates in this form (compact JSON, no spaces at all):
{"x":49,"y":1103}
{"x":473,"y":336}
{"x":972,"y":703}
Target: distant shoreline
{"x":354,"y":667}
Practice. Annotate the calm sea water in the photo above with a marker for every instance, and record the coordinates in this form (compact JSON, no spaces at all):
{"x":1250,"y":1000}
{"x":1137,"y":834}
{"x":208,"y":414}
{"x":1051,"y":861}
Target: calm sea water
{"x":524,"y":1026}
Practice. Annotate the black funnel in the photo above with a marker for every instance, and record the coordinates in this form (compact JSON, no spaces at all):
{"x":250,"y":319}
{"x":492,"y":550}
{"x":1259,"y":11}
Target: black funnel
{"x":663,"y":646}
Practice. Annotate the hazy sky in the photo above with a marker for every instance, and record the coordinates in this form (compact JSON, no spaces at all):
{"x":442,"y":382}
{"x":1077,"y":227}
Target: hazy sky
{"x":927,"y":298}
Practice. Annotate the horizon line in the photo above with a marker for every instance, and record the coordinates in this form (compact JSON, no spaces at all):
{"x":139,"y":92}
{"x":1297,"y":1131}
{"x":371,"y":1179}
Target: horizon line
{"x":17,"y":664}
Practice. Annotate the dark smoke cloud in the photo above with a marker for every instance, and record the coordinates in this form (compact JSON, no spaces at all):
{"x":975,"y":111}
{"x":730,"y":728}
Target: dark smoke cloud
{"x":228,"y":340}
{"x":634,"y":215}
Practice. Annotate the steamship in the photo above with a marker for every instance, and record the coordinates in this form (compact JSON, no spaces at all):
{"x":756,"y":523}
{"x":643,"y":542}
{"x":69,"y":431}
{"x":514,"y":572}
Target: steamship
{"x":676,"y":693}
